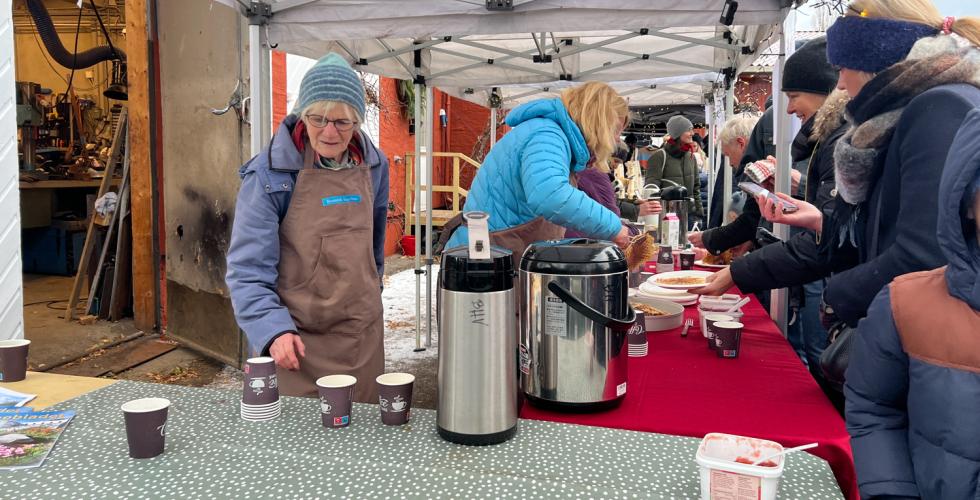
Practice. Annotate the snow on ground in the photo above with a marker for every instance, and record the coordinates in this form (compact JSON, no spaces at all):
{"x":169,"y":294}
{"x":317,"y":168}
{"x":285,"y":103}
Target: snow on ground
{"x":398,"y":300}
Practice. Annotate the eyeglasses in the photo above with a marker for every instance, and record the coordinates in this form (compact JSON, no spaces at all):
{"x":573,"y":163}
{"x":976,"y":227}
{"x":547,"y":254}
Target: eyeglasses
{"x":320,"y":121}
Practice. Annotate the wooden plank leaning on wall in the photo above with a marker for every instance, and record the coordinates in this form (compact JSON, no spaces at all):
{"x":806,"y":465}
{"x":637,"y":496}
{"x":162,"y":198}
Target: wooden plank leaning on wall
{"x":142,"y":196}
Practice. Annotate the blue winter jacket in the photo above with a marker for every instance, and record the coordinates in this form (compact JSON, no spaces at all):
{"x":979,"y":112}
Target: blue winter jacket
{"x":253,"y":255}
{"x":913,"y":394}
{"x":525,"y":176}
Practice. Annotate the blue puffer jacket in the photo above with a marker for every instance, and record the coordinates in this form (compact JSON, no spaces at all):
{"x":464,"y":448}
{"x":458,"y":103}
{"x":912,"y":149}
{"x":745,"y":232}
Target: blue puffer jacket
{"x":525,"y":176}
{"x":913,"y":382}
{"x":253,"y":254}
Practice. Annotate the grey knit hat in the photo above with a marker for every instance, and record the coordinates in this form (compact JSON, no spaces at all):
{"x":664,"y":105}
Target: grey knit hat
{"x":677,"y":125}
{"x":331,"y":79}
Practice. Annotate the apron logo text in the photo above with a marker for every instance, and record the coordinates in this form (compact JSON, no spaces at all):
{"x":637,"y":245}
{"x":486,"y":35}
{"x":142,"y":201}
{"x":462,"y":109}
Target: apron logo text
{"x":341,"y":199}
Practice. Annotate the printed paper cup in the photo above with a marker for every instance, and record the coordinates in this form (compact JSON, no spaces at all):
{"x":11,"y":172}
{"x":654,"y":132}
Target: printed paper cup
{"x":638,"y":332}
{"x":709,"y":321}
{"x":13,"y":359}
{"x":728,"y":337}
{"x":336,"y":398}
{"x":146,"y":425}
{"x":395,"y":397}
{"x":261,"y":385}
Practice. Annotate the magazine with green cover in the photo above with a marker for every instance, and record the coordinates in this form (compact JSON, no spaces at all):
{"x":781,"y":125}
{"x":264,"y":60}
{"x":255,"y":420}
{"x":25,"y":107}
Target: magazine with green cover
{"x":26,"y":439}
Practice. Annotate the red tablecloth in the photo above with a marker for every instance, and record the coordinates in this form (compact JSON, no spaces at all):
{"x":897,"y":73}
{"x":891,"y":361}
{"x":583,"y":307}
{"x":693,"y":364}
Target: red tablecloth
{"x":683,"y":388}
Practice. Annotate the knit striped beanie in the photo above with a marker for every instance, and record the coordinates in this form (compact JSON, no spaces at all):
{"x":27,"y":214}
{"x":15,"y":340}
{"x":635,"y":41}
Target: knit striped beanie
{"x":331,"y":79}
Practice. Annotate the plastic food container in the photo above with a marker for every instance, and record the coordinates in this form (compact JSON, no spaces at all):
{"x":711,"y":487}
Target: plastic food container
{"x":673,"y":319}
{"x":723,"y":476}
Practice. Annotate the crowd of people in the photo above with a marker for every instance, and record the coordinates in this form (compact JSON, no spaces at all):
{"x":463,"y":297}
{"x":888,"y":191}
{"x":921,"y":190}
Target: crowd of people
{"x":882,"y":261}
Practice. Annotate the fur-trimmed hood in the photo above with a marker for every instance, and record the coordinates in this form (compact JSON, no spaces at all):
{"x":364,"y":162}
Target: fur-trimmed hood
{"x":830,"y":116}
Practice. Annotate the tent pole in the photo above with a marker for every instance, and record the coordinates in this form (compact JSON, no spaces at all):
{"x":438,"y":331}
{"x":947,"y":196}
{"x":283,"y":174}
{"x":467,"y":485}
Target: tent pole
{"x":726,"y":167}
{"x":417,"y":207}
{"x":782,"y":137}
{"x":710,"y":118}
{"x":258,"y":88}
{"x":493,"y":126}
{"x":430,"y":159}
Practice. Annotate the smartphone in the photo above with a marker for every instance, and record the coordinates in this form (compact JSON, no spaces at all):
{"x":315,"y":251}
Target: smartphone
{"x":754,"y":190}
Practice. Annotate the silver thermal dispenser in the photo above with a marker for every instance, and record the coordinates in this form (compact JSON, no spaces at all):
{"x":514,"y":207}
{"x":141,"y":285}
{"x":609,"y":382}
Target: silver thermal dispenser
{"x":477,"y":341}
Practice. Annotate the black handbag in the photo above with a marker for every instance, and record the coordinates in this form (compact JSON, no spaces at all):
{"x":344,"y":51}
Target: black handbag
{"x":834,"y":359}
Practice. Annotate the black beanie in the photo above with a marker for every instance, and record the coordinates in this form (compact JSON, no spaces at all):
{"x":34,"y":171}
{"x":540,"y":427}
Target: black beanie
{"x":807,"y":69}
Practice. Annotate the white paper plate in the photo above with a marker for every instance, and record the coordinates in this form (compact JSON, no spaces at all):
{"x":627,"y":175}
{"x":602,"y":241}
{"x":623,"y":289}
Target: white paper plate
{"x":710,"y":266}
{"x":659,"y":279}
{"x":649,"y":288}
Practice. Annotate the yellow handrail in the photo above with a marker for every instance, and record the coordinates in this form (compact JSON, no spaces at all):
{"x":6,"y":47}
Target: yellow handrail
{"x":440,"y":217}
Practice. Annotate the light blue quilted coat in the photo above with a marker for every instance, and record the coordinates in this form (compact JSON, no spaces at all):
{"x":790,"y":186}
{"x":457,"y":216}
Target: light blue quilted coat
{"x":525,"y":176}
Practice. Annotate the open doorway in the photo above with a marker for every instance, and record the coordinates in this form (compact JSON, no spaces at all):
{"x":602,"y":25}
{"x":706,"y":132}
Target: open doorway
{"x":71,"y":96}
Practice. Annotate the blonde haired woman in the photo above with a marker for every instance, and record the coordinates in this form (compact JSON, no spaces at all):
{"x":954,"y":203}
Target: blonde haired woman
{"x":307,"y":245}
{"x":526,"y":181}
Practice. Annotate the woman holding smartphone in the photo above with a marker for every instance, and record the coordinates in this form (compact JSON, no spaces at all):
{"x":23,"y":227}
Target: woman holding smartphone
{"x":912,"y":75}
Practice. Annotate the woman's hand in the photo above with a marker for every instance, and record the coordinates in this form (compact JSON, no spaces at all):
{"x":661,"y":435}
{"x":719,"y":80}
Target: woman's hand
{"x":717,"y":283}
{"x":696,"y":239}
{"x":622,"y":240}
{"x":285,"y":349}
{"x":807,"y":216}
{"x":649,"y":208}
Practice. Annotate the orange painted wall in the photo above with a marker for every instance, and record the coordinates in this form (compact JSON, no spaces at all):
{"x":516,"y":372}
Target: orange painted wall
{"x":466,"y":122}
{"x":278,"y":88}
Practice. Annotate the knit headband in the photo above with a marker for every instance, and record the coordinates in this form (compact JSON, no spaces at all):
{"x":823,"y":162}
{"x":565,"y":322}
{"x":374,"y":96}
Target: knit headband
{"x":872,"y":44}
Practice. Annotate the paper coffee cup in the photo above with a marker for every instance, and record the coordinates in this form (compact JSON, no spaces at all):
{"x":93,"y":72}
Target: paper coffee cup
{"x":395,"y":397}
{"x":13,"y":359}
{"x":146,"y":425}
{"x":336,"y":397}
{"x":709,"y":321}
{"x":260,"y":385}
{"x":728,"y":337}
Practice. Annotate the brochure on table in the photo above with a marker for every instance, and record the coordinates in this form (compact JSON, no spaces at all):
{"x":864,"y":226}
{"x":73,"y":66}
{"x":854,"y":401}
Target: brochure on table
{"x":26,"y":438}
{"x":12,"y":399}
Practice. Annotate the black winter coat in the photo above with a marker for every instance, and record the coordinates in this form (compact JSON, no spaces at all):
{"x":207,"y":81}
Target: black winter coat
{"x":897,"y":223}
{"x":797,"y":261}
{"x":720,"y":238}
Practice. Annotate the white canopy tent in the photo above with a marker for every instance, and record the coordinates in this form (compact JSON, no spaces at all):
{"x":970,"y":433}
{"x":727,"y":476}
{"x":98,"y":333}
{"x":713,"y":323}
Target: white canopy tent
{"x":654,"y":52}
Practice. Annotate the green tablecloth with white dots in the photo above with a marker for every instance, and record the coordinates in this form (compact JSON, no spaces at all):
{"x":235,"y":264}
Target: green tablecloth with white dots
{"x":212,"y":453}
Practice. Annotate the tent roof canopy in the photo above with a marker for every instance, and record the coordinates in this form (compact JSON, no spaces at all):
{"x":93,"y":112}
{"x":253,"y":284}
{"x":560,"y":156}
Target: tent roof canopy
{"x":465,"y":49}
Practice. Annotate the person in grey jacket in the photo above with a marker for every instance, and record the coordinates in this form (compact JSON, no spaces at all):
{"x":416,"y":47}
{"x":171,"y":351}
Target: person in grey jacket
{"x":307,"y":245}
{"x":675,"y":162}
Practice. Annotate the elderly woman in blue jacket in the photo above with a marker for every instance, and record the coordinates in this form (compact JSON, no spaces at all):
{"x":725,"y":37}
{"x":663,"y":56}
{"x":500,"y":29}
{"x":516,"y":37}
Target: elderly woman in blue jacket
{"x":526,"y":183}
{"x":913,"y":383}
{"x":307,"y":245}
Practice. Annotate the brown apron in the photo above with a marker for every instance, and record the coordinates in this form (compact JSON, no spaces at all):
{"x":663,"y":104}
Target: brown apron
{"x":329,"y":281}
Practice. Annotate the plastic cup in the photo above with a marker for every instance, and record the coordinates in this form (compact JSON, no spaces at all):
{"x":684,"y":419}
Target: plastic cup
{"x":395,"y":397}
{"x":13,"y":359}
{"x":261,"y":385}
{"x":336,"y":398}
{"x":146,"y":425}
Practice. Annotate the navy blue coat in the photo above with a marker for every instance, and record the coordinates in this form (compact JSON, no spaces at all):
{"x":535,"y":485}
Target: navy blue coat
{"x":913,"y":391}
{"x":900,"y":210}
